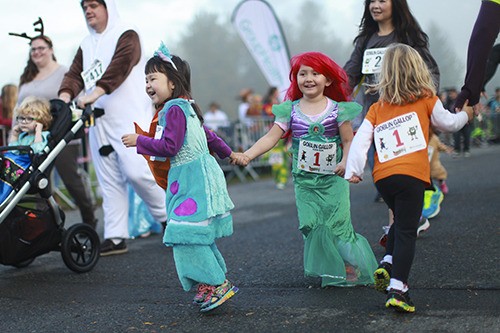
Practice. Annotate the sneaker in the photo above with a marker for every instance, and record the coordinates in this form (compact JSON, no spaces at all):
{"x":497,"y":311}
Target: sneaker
{"x":382,"y":276}
{"x":221,"y":294}
{"x":455,"y":154}
{"x":443,"y":187}
{"x":423,"y":225}
{"x":466,"y":154}
{"x":432,"y":202}
{"x":109,"y":248}
{"x":400,"y":301}
{"x":203,"y":294}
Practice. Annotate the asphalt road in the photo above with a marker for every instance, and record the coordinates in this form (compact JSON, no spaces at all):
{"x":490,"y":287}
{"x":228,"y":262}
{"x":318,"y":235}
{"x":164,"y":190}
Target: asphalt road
{"x":454,"y":280}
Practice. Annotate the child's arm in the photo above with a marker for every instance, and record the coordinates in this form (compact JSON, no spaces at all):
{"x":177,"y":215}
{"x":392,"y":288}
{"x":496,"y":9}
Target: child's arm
{"x":446,"y":121}
{"x":171,"y":141}
{"x":358,"y":150}
{"x":14,"y":134}
{"x":346,"y":135}
{"x":265,"y":143}
{"x":38,"y":133}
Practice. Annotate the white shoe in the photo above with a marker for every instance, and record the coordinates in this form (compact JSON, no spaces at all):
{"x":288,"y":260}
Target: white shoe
{"x":423,"y":225}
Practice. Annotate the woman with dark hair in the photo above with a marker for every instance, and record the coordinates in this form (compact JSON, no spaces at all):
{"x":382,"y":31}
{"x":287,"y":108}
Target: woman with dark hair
{"x":385,"y":22}
{"x":42,"y":77}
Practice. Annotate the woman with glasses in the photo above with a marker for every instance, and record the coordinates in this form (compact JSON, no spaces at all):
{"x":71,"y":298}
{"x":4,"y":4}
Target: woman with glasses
{"x":42,"y":77}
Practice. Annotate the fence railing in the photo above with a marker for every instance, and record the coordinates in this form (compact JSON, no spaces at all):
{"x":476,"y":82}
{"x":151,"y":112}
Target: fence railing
{"x":241,"y":136}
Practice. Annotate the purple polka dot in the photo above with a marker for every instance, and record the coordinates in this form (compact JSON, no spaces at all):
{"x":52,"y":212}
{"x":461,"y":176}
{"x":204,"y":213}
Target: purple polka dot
{"x":174,"y":188}
{"x":186,"y":208}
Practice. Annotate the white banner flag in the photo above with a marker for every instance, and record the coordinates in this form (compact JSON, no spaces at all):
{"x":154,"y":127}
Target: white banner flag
{"x":261,"y":32}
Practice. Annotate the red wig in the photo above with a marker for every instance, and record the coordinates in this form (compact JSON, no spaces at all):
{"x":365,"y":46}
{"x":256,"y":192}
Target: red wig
{"x":324,"y":65}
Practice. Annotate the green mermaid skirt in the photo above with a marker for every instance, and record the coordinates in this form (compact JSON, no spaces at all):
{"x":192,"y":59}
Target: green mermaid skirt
{"x":332,"y":250}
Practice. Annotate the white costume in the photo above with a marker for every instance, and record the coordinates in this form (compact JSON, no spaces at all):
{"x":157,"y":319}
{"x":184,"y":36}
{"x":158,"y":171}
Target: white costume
{"x":127,"y":104}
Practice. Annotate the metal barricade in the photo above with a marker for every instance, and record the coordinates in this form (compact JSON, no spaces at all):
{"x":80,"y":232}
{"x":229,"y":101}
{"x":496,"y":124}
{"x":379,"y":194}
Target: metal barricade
{"x":240,"y":137}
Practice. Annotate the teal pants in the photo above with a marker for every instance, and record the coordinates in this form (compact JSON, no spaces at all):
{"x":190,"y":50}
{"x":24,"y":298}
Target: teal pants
{"x":199,"y":264}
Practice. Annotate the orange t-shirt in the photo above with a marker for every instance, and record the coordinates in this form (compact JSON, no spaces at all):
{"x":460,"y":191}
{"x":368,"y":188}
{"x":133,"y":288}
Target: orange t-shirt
{"x":415,"y":164}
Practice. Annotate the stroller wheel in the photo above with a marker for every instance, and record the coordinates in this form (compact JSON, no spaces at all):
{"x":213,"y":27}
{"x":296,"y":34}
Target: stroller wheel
{"x":24,"y":263}
{"x":80,"y":248}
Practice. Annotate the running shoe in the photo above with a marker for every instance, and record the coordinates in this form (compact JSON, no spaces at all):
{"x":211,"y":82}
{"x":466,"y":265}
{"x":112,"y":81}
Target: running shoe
{"x":400,"y":301}
{"x":432,"y":202}
{"x":203,"y":293}
{"x":423,"y":225}
{"x":221,"y":294}
{"x":382,"y":276}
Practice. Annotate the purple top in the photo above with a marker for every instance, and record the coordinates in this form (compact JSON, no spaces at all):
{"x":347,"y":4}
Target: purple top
{"x":300,"y":122}
{"x":173,"y":138}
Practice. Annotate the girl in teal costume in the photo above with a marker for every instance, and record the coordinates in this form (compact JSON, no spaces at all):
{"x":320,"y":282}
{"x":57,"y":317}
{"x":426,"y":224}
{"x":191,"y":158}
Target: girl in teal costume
{"x":198,"y":204}
{"x":317,"y":117}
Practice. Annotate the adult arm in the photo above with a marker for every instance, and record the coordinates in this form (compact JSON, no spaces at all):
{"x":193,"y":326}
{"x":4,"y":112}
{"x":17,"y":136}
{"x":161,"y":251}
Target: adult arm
{"x":481,"y":41}
{"x":431,"y":64}
{"x":353,"y":66}
{"x":72,"y":82}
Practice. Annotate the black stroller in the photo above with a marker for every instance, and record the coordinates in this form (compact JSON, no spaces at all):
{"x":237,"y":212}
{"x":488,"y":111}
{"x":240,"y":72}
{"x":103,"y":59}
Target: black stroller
{"x":31,"y":221}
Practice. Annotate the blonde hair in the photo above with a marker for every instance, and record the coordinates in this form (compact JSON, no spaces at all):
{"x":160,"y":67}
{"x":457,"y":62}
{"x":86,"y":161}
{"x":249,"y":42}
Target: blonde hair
{"x":9,"y":100}
{"x":38,"y":108}
{"x":404,"y":77}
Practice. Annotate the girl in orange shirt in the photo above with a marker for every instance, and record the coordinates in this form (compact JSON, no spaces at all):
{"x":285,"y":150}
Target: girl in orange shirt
{"x":398,"y":124}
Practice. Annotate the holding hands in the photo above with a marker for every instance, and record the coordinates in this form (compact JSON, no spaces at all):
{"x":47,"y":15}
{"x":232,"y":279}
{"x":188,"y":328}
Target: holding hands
{"x":354,"y":179}
{"x":239,"y":159}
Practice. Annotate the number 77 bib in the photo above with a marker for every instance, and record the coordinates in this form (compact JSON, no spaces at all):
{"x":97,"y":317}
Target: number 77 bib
{"x":398,"y":137}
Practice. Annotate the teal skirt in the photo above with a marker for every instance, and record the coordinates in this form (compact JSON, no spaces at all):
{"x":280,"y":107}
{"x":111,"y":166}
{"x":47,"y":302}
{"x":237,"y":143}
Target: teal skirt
{"x":332,"y":250}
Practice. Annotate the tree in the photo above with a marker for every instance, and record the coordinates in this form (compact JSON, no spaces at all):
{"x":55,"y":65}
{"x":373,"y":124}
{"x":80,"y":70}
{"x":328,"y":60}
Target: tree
{"x":452,"y":69}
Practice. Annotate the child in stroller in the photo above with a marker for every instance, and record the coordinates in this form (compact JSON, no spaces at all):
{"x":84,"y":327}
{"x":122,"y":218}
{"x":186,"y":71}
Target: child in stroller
{"x":33,"y":121}
{"x":31,"y":222}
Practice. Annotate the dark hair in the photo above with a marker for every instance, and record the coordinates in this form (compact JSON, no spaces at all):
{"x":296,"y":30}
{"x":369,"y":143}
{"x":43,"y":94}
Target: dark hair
{"x":181,"y":77}
{"x":30,"y":71}
{"x":406,"y":27}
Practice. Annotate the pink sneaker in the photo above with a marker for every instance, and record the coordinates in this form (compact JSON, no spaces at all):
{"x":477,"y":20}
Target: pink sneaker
{"x":443,"y":187}
{"x":203,"y":293}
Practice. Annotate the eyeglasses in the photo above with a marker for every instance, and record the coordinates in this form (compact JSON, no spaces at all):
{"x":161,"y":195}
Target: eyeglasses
{"x":26,"y":120}
{"x":40,"y":48}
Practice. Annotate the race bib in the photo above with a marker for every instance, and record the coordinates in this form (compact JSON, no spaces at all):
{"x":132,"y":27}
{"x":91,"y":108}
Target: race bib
{"x":398,"y":137}
{"x":93,"y":74}
{"x":372,"y":60}
{"x":158,"y":134}
{"x":317,"y":157}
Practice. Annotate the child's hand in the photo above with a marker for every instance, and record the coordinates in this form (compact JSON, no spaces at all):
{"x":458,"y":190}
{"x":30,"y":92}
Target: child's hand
{"x":239,"y":159}
{"x":130,"y":140}
{"x":340,"y":169}
{"x":354,"y":179}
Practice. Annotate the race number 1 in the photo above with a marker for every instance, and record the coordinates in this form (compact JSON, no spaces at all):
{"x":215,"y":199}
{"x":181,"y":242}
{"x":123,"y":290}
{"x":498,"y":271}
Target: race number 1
{"x":398,"y":137}
{"x":317,"y":157}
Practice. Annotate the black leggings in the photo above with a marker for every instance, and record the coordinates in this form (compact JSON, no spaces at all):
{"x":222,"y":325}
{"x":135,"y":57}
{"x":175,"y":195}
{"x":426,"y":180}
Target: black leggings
{"x":405,"y":197}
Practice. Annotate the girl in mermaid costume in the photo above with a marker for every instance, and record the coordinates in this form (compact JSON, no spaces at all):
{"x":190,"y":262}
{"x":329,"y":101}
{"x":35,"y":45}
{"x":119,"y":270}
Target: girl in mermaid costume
{"x":317,"y":116}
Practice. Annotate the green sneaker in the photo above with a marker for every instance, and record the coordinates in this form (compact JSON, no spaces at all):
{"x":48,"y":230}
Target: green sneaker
{"x":382,"y":276}
{"x":432,"y":202}
{"x":400,"y":301}
{"x":221,"y":294}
